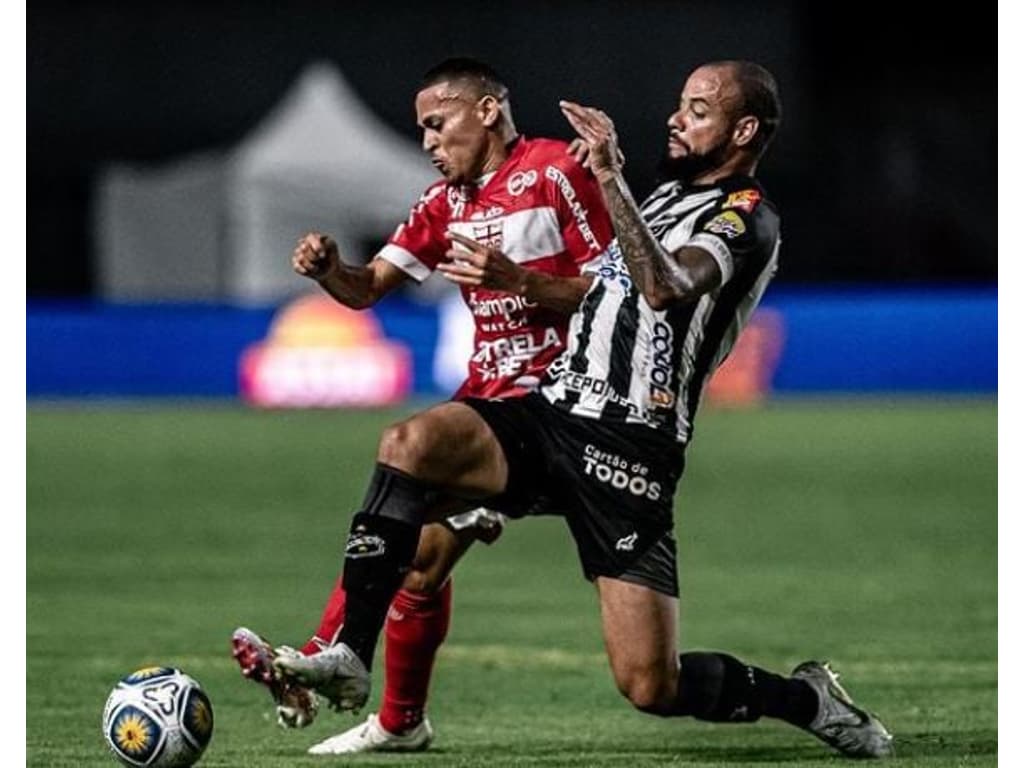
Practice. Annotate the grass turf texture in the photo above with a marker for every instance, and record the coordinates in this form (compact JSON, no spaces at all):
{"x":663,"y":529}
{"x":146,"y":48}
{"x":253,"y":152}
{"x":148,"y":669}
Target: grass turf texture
{"x":862,"y":532}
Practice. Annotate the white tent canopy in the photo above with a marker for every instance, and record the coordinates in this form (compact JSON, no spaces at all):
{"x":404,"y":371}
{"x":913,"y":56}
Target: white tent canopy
{"x":222,"y":227}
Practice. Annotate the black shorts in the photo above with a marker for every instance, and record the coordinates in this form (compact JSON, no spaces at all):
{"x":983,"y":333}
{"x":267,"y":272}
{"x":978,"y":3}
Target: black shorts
{"x":613,"y":483}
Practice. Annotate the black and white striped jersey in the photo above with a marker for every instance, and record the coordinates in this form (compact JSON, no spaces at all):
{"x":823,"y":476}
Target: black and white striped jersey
{"x":628,"y":363}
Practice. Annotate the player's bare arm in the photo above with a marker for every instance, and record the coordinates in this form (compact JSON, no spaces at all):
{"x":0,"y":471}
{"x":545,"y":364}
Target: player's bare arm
{"x":316,"y":256}
{"x":475,"y":264}
{"x":663,"y":278}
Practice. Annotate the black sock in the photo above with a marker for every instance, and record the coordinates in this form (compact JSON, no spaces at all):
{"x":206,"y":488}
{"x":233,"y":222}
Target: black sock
{"x":380,"y":548}
{"x":722,"y":689}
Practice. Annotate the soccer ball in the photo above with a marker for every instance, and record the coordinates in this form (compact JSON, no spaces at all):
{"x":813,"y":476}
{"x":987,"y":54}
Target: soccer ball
{"x":158,"y":716}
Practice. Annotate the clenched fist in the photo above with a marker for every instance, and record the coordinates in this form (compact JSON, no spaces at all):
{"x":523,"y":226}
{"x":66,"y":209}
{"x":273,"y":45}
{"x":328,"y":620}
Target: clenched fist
{"x":316,"y":256}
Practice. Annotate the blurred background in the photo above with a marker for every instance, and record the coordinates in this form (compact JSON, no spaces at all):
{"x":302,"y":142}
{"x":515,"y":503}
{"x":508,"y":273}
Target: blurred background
{"x":176,"y":150}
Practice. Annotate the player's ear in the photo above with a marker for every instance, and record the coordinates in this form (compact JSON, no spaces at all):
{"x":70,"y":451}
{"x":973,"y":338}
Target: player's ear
{"x":745,"y":130}
{"x":489,"y":110}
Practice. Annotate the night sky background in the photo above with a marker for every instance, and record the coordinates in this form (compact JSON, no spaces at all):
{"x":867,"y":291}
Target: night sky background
{"x":884,"y":170}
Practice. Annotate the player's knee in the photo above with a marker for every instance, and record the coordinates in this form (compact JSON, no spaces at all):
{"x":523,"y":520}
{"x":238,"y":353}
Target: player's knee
{"x":647,"y":691}
{"x":403,"y":445}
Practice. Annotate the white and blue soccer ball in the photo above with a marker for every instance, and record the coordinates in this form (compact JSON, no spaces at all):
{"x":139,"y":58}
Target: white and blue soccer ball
{"x":159,"y":717}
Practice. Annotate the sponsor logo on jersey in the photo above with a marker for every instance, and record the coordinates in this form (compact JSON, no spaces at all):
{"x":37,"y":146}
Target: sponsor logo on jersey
{"x":520,"y":181}
{"x":661,"y":394}
{"x":457,"y":201}
{"x":728,"y":224}
{"x":487,"y":213}
{"x":590,"y":386}
{"x":511,"y":355}
{"x":504,"y":306}
{"x":622,"y":475}
{"x":746,"y":200}
{"x":578,"y":211}
{"x":610,"y":266}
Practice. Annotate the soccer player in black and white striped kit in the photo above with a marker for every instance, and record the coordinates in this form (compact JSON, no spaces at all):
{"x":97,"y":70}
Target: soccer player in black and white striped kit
{"x":603,"y":441}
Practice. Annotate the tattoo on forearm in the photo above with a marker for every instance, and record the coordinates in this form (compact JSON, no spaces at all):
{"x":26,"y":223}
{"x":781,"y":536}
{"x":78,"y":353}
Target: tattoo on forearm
{"x":652,"y":269}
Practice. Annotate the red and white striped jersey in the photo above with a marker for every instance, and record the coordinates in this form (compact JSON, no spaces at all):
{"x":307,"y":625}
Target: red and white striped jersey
{"x":545,"y":212}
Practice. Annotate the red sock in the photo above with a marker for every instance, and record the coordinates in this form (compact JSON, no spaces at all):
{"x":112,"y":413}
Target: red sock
{"x":416,"y":626}
{"x":330,"y":622}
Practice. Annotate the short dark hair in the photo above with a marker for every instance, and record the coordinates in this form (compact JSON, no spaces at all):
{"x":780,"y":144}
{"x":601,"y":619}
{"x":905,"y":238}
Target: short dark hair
{"x":483,"y":78}
{"x":760,"y":95}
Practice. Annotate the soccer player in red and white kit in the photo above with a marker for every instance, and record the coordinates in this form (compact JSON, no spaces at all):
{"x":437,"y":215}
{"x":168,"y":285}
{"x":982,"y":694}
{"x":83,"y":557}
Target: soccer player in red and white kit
{"x":512,"y":222}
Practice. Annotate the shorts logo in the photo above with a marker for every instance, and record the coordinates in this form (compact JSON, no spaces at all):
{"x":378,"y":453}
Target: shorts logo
{"x":364,"y":545}
{"x":745,"y":200}
{"x":519,"y":182}
{"x":627,"y":543}
{"x":613,"y":470}
{"x":728,"y":224}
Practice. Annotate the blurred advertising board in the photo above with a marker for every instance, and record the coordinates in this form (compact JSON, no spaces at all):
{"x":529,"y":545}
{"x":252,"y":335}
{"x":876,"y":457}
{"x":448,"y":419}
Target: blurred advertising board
{"x":320,"y":354}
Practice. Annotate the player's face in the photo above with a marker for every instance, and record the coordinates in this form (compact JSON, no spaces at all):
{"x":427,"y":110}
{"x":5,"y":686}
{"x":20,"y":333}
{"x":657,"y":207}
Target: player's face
{"x":454,"y":134}
{"x":700,"y":130}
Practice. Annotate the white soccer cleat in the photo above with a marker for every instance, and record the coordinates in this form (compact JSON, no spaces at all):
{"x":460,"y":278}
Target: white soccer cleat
{"x":336,"y":673}
{"x":296,"y":705}
{"x":371,"y":737}
{"x":839,"y":722}
{"x":487,"y":524}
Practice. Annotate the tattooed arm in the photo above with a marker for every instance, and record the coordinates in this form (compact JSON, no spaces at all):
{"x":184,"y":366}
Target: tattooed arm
{"x":664,"y":278}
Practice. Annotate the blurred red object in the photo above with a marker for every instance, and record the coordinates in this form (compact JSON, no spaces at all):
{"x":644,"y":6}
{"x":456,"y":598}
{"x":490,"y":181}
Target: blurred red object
{"x":746,"y":375}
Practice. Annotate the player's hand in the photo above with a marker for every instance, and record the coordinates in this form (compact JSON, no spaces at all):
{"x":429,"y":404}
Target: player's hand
{"x":597,"y":131}
{"x":480,"y":265}
{"x":580,"y":151}
{"x":315,"y":256}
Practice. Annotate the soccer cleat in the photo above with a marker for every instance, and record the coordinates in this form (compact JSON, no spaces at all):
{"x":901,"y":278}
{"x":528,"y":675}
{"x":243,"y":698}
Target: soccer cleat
{"x":487,"y":524}
{"x":336,"y":673}
{"x":371,"y":737}
{"x":839,"y":722}
{"x":296,"y":705}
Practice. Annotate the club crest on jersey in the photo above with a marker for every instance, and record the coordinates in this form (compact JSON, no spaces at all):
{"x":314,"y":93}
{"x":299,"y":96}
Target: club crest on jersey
{"x":728,"y":224}
{"x":489,"y":234}
{"x":520,"y":181}
{"x":745,"y":200}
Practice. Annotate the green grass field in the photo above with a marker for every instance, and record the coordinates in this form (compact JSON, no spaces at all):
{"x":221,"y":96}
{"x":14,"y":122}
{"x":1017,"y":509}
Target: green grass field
{"x":863,"y":532}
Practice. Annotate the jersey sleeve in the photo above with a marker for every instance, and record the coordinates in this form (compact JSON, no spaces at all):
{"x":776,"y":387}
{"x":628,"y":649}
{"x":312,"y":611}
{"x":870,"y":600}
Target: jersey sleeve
{"x":576,"y":197}
{"x":418,"y":244}
{"x":734,"y":233}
